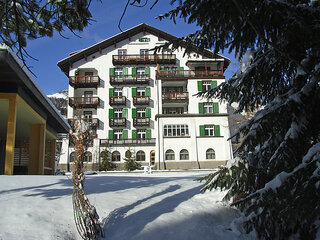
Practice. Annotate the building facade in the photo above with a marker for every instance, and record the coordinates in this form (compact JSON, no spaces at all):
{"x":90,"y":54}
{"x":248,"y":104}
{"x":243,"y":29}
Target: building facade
{"x":138,"y":101}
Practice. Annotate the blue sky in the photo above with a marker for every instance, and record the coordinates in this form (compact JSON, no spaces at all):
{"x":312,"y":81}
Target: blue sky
{"x":49,"y":51}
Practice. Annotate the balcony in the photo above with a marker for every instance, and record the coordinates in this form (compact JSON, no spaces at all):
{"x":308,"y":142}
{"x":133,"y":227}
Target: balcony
{"x":187,"y":74}
{"x":141,"y":122}
{"x":144,"y":59}
{"x":127,"y":142}
{"x":175,"y":97}
{"x":141,"y":100}
{"x":84,"y":81}
{"x":117,"y":122}
{"x":129,"y":79}
{"x":118,"y":100}
{"x":93,"y":122}
{"x":84,"y":102}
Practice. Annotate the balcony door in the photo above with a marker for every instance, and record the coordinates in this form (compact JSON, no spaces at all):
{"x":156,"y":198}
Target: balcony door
{"x":88,"y":76}
{"x":88,"y":97}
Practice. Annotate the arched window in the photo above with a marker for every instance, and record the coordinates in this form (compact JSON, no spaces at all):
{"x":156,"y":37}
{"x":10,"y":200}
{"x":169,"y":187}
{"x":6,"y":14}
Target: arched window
{"x":116,"y":156}
{"x":105,"y":154}
{"x":72,"y":156}
{"x":128,"y":154}
{"x":184,"y":154}
{"x":169,"y":154}
{"x":141,"y":156}
{"x":88,"y":157}
{"x":210,"y":154}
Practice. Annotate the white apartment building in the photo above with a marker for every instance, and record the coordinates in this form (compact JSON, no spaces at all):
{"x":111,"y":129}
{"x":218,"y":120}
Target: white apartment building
{"x":143,"y":102}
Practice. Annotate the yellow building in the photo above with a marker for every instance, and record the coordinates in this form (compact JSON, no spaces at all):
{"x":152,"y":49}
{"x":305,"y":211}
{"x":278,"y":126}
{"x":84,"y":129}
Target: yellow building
{"x":29,"y":123}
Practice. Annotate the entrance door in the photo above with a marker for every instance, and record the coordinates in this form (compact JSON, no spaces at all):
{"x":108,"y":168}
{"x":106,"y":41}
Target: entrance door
{"x":152,"y":157}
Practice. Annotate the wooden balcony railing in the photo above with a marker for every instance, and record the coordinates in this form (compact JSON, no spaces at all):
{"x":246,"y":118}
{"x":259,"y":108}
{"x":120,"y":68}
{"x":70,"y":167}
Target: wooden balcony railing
{"x":141,"y":100}
{"x":84,"y":81}
{"x":144,"y":59}
{"x":93,"y":122}
{"x":187,"y":74}
{"x":128,"y":142}
{"x":141,"y":122}
{"x":84,"y":102}
{"x":117,"y":100}
{"x":129,"y":79}
{"x":175,"y":97}
{"x":117,"y":122}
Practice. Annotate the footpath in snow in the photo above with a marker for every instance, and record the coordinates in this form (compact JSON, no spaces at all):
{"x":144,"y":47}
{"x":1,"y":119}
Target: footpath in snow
{"x":131,"y":206}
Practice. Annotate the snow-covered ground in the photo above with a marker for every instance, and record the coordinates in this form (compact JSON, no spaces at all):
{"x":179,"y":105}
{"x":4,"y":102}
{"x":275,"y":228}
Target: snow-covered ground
{"x":132,"y":206}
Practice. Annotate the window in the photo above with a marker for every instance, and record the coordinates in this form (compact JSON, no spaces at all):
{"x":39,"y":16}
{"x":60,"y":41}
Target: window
{"x":141,"y":92}
{"x":141,"y":112}
{"x":117,"y":92}
{"x":206,"y":85}
{"x":117,"y":113}
{"x":210,"y":154}
{"x":141,"y":134}
{"x":207,"y":107}
{"x":184,"y":154}
{"x":169,"y":154}
{"x":176,"y":130}
{"x":88,"y":96}
{"x":144,"y":39}
{"x":122,"y":52}
{"x":73,"y":157}
{"x":115,"y":156}
{"x":141,"y":156}
{"x":209,"y":130}
{"x":118,"y":71}
{"x":88,"y":157}
{"x":117,"y":134}
{"x":128,"y":154}
{"x":172,"y":89}
{"x":141,"y":72}
{"x":144,"y":51}
{"x":87,"y":114}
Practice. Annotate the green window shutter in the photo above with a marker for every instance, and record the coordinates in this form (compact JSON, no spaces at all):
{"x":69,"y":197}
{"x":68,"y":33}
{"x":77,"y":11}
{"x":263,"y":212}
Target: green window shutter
{"x":180,"y":71}
{"x":134,"y":71}
{"x":200,"y":86}
{"x":125,"y":134}
{"x":134,"y":112}
{"x":147,"y":71}
{"x":148,"y":112}
{"x":217,"y":130}
{"x":110,"y":134}
{"x":125,"y":71}
{"x":215,"y":107}
{"x":125,"y":113}
{"x":148,"y":94}
{"x":214,"y":84}
{"x":148,"y":133}
{"x":148,"y":39}
{"x":201,"y":130}
{"x":110,"y":92}
{"x":140,"y":39}
{"x":161,"y":67}
{"x":200,"y":107}
{"x":111,"y":71}
{"x":134,"y":134}
{"x":134,"y":92}
{"x":111,"y":113}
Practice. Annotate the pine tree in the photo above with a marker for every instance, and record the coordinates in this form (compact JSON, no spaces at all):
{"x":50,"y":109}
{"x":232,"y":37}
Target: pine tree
{"x":106,"y":164}
{"x":276,"y":178}
{"x":130,"y":161}
{"x":22,"y":20}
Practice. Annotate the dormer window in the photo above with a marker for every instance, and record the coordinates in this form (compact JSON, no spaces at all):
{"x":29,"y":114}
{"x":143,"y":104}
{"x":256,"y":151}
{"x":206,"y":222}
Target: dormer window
{"x":144,"y":39}
{"x":144,"y":51}
{"x":122,"y":52}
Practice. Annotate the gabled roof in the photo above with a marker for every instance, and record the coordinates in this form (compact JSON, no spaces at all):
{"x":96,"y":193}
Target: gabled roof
{"x":78,"y":55}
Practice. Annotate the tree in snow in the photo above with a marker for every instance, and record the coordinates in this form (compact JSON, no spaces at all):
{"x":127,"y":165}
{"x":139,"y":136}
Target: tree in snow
{"x":29,"y":19}
{"x":276,"y":179}
{"x":130,"y":161}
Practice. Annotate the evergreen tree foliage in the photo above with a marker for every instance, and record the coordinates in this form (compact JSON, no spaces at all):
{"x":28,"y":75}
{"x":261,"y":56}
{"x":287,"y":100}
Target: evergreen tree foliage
{"x":276,"y":180}
{"x":130,"y":161}
{"x":106,"y":164}
{"x":30,"y":19}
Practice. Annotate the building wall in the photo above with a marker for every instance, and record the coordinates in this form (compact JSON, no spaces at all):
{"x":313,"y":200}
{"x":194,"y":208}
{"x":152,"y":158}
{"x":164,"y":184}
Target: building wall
{"x":101,"y":61}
